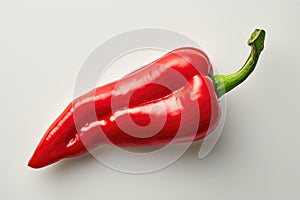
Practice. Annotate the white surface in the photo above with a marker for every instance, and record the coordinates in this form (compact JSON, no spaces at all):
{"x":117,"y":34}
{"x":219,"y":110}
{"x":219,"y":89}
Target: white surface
{"x":42,"y":47}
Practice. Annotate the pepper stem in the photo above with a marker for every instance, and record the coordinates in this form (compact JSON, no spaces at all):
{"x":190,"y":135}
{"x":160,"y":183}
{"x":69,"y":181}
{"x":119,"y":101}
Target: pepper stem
{"x":225,"y":83}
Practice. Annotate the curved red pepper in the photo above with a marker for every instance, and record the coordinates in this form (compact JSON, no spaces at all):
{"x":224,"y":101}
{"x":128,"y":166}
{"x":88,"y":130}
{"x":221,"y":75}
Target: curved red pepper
{"x":143,"y":87}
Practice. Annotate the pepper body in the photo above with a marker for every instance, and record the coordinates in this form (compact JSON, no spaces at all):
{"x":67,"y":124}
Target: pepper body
{"x":165,"y":90}
{"x":152,"y":82}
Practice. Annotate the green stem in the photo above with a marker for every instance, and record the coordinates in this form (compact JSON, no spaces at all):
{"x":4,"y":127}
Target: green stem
{"x":225,"y":83}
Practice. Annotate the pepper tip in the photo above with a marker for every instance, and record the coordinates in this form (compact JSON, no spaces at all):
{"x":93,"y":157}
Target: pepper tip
{"x":32,"y":164}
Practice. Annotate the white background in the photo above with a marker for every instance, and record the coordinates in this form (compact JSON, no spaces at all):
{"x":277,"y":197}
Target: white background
{"x":43,"y":45}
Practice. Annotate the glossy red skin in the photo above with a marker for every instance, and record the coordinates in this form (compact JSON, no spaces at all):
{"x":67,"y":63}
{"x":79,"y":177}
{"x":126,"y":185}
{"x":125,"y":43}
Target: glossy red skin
{"x":196,"y":92}
{"x":62,"y":140}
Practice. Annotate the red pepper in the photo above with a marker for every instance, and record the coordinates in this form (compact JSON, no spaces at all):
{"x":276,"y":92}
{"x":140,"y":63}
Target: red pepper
{"x":143,"y":87}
